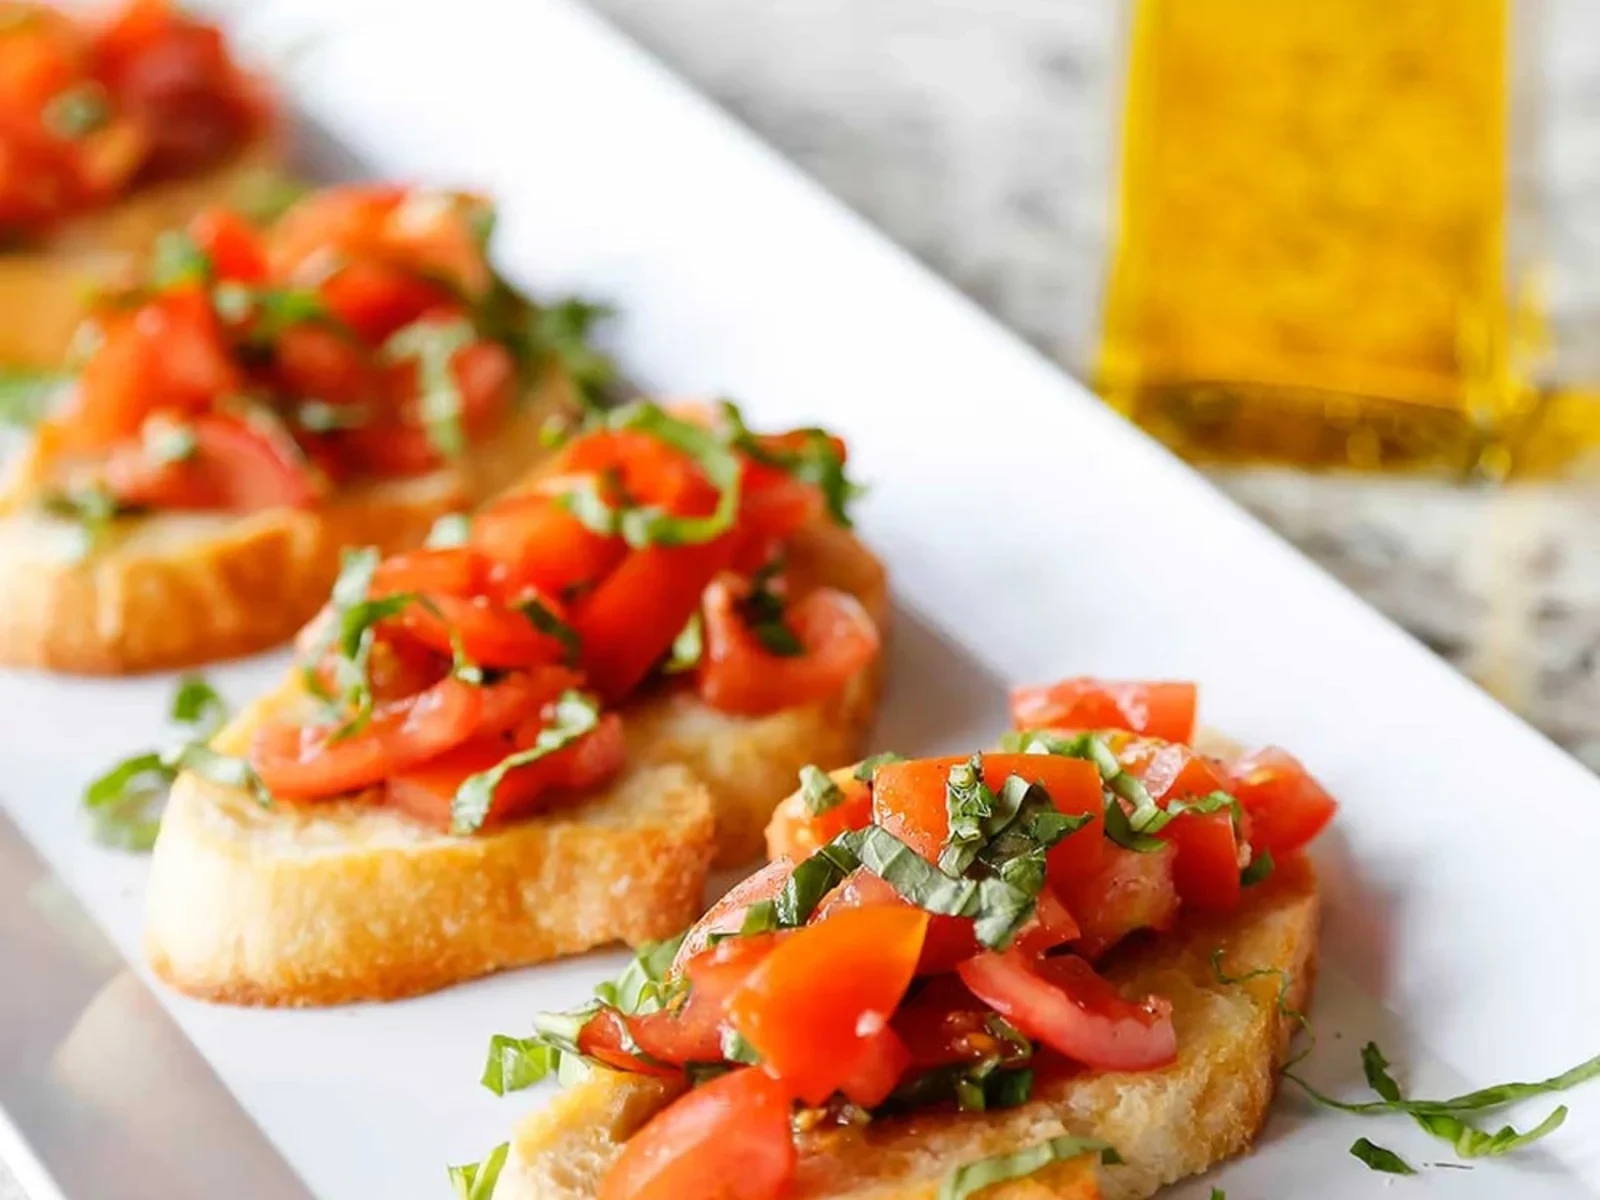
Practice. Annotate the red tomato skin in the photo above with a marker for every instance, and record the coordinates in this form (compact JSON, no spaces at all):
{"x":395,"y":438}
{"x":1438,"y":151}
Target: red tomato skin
{"x":631,"y":620}
{"x":847,"y":974}
{"x":1206,"y":863}
{"x":535,"y":542}
{"x":234,"y":468}
{"x":727,"y":914}
{"x":1064,"y":1004}
{"x":739,"y":675}
{"x":436,"y":570}
{"x":727,"y":1140}
{"x":794,"y":832}
{"x":949,"y":940}
{"x":882,"y":1063}
{"x":1161,"y":709}
{"x":1130,"y":891}
{"x":908,"y":799}
{"x":375,"y":300}
{"x":232,"y":245}
{"x":1287,"y":807}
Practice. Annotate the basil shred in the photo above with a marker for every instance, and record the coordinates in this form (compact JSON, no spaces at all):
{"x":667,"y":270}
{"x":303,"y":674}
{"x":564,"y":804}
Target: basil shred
{"x":476,"y":1181}
{"x":575,"y":715}
{"x":818,"y":791}
{"x":985,"y":1172}
{"x":123,"y":804}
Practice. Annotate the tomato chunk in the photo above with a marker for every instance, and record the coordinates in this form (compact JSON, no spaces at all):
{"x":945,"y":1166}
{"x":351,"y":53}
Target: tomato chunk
{"x":908,"y":799}
{"x":231,"y":244}
{"x":727,"y":1140}
{"x":949,"y":939}
{"x":727,"y":914}
{"x":739,"y":675}
{"x":1130,"y":891}
{"x":878,"y":1068}
{"x":535,"y":542}
{"x":1206,"y":863}
{"x":1064,"y":1004}
{"x":1287,"y":806}
{"x":231,"y":467}
{"x":796,"y":832}
{"x":1164,"y":710}
{"x":847,"y":974}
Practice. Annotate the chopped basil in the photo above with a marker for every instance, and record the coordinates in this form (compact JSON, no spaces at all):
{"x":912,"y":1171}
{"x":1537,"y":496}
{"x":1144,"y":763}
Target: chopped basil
{"x":1285,"y":982}
{"x":982,"y":1086}
{"x":575,"y":715}
{"x":123,"y":805}
{"x":867,"y":768}
{"x":544,"y":619}
{"x":176,"y":261}
{"x":452,"y":529}
{"x":913,"y":876}
{"x":818,"y":791}
{"x":433,"y":345}
{"x":650,"y":526}
{"x":166,"y":441}
{"x":810,"y":881}
{"x":561,"y":333}
{"x":583,"y":499}
{"x":476,"y":1181}
{"x":272,"y":309}
{"x":1218,"y":1194}
{"x":687,"y":648}
{"x":26,"y":395}
{"x":763,"y":614}
{"x":91,"y":507}
{"x":77,"y":111}
{"x":1379,"y":1158}
{"x":318,"y":416}
{"x":349,"y":626}
{"x":736,"y":1049}
{"x":643,"y":987}
{"x":816,"y":462}
{"x":975,"y":1176}
{"x":969,"y":804}
{"x":760,"y":917}
{"x":1120,"y":830}
{"x":264,"y":196}
{"x":516,"y":1063}
{"x":1260,"y":867}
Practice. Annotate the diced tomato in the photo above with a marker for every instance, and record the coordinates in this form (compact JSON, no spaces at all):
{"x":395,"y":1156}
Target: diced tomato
{"x":738,"y":674}
{"x":727,"y":914}
{"x":1051,"y":925}
{"x":1171,"y":770}
{"x":949,"y":939}
{"x":631,"y":619}
{"x":375,"y":299}
{"x":330,"y":224}
{"x":774,"y":504}
{"x":1164,"y":710}
{"x":727,"y":1140}
{"x":400,"y":667}
{"x":847,"y":975}
{"x":650,"y":471}
{"x":1206,"y":866}
{"x":1287,"y":806}
{"x":1130,"y":891}
{"x":882,"y":1061}
{"x":434,"y":570}
{"x":299,"y":762}
{"x":908,"y":799}
{"x":231,"y":243}
{"x":490,"y":634}
{"x":233,"y":467}
{"x":323,"y":364}
{"x":535,"y":542}
{"x":797,"y":833}
{"x":608,"y":1036}
{"x":427,"y":790}
{"x":168,"y":354}
{"x":1064,"y":1004}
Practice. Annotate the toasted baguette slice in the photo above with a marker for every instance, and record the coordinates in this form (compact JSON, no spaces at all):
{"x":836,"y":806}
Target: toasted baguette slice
{"x":175,"y":590}
{"x":43,"y":289}
{"x":1166,"y":1124}
{"x":749,"y":763}
{"x":337,"y":902}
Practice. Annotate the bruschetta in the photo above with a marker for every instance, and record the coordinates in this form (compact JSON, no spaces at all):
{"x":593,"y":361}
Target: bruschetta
{"x":1068,"y":968}
{"x":111,"y":131}
{"x":257,"y":402}
{"x":534,"y":741}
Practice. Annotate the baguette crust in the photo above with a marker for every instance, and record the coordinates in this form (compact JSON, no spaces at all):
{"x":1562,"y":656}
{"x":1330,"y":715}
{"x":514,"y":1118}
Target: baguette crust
{"x":43,"y":289}
{"x":749,"y":763}
{"x":345,"y":901}
{"x":177,"y":590}
{"x":1166,"y":1124}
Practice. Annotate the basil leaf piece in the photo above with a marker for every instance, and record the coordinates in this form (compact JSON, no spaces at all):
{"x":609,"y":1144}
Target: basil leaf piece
{"x":819,"y":792}
{"x":641,"y":527}
{"x":1119,"y":828}
{"x":476,"y":1181}
{"x":591,"y":509}
{"x":736,"y":1049}
{"x":561,"y":333}
{"x":575,"y":715}
{"x":224,"y":770}
{"x":26,"y":395}
{"x":123,"y":805}
{"x":452,"y":529}
{"x":1261,"y":866}
{"x":544,"y":619}
{"x":318,"y":416}
{"x":77,"y":111}
{"x":1218,"y":1194}
{"x":1285,"y":1010}
{"x":913,"y":876}
{"x":760,"y":917}
{"x":969,"y":804}
{"x":265,"y":195}
{"x":810,"y":881}
{"x":763,"y":614}
{"x":1379,"y":1158}
{"x":643,"y":987}
{"x":867,"y":769}
{"x":687,"y":648}
{"x":516,"y":1063}
{"x":92,"y":507}
{"x":176,"y":261}
{"x":985,"y":1172}
{"x":433,"y":345}
{"x":816,"y":461}
{"x":199,"y":704}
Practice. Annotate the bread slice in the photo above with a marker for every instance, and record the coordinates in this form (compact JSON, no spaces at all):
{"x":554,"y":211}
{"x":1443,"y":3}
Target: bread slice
{"x":44,"y":289}
{"x":176,"y":590}
{"x":749,"y":764}
{"x":1166,"y":1124}
{"x":336,"y":902}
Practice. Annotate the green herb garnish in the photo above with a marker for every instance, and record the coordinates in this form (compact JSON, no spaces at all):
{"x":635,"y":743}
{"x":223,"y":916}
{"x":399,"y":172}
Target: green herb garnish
{"x":544,"y":619}
{"x":1380,"y":1158}
{"x":985,"y":1172}
{"x":763,"y":614}
{"x":687,"y":648}
{"x":818,"y":791}
{"x":476,"y":1181}
{"x":867,"y":769}
{"x":176,"y":261}
{"x":91,"y":507}
{"x":561,"y":333}
{"x":452,"y":529}
{"x":1260,"y":867}
{"x":433,"y":345}
{"x":575,"y":715}
{"x":77,"y":111}
{"x":26,"y":395}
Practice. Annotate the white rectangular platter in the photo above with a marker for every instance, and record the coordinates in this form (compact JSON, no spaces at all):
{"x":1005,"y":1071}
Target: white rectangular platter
{"x":1029,"y":533}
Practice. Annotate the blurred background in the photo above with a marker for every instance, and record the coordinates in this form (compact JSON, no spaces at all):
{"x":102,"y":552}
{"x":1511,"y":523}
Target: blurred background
{"x":1340,"y":254}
